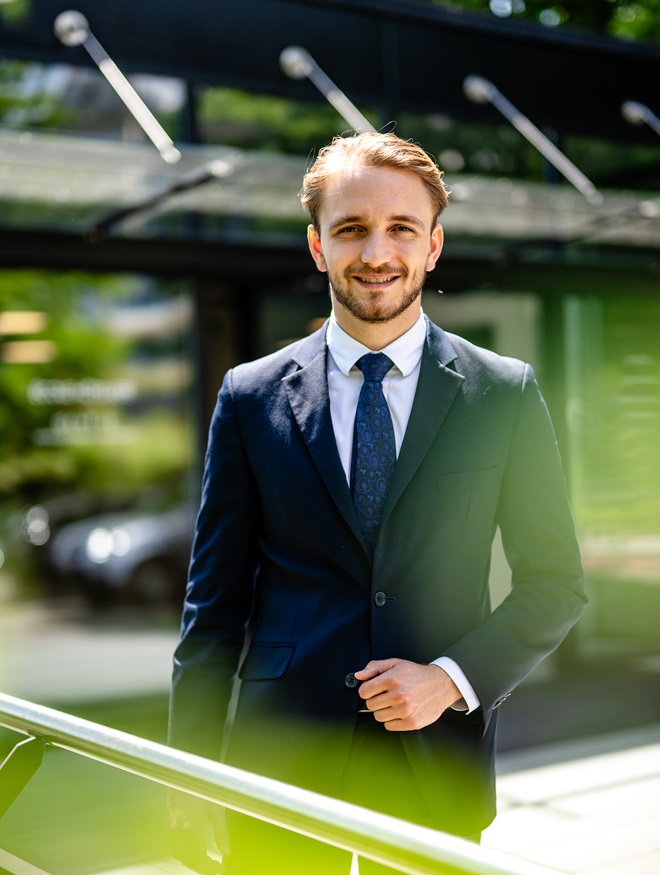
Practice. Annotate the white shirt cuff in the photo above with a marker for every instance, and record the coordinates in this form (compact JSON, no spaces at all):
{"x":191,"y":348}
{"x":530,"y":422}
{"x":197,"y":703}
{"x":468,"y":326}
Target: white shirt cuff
{"x":470,"y":701}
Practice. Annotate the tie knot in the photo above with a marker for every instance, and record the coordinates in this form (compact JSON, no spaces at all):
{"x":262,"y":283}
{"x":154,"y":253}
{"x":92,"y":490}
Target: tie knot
{"x":374,"y":366}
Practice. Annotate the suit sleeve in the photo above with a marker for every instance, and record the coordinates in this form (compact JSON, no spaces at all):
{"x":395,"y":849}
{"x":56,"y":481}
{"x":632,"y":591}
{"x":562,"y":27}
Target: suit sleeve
{"x":538,"y":534}
{"x":220,"y":588}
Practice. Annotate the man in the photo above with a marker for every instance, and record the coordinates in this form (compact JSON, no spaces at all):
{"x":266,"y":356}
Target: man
{"x":341,"y":559}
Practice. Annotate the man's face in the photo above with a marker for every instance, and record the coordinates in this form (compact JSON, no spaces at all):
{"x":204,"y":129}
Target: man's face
{"x":376,"y":239}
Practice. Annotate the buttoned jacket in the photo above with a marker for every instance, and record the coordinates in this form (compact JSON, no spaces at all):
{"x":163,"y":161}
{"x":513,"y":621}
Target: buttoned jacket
{"x":285,"y":602}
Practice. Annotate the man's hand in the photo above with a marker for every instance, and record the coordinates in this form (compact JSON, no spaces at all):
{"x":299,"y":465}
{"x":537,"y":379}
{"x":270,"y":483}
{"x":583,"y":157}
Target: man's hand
{"x":406,"y":695}
{"x":191,"y":819}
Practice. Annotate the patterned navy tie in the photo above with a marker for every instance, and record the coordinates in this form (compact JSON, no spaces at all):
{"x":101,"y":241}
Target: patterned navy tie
{"x":374,"y":450}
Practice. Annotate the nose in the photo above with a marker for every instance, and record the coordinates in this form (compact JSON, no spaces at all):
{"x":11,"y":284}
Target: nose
{"x":377,"y":250}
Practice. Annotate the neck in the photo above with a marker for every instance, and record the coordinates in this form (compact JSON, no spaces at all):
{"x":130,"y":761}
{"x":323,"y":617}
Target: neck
{"x":375,"y":335}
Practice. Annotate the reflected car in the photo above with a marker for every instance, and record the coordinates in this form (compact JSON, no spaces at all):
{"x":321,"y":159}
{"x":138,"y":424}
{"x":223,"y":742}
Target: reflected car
{"x":37,"y":526}
{"x":128,"y":556}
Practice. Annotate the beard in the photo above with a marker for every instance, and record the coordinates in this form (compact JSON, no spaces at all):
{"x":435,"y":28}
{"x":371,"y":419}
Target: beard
{"x":378,"y":306}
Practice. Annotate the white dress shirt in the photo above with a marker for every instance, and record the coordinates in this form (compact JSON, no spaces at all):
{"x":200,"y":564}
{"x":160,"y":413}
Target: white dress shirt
{"x":399,"y":386}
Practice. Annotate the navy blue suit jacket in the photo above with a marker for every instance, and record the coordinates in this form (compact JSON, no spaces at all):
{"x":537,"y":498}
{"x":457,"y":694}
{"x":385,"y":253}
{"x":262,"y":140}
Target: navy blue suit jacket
{"x":282,"y":590}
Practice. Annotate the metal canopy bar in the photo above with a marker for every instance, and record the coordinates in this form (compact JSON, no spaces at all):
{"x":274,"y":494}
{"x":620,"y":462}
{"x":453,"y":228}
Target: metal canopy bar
{"x":297,"y":63}
{"x":640,"y":114}
{"x":403,"y":846}
{"x":72,"y":29}
{"x":480,"y":90}
{"x":212,"y":170}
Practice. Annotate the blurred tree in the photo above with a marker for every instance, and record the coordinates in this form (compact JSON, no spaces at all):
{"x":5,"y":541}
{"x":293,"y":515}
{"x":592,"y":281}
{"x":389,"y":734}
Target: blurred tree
{"x":83,"y":351}
{"x":14,"y":11}
{"x":275,"y":124}
{"x":622,"y":18}
{"x":24,"y":101}
{"x":37,"y":459}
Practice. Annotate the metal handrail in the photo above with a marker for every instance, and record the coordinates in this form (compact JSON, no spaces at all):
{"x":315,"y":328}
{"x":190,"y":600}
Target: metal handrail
{"x":405,"y":847}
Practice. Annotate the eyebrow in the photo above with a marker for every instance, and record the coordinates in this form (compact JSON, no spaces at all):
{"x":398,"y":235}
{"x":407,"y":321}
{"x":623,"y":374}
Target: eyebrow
{"x":408,"y":220}
{"x":350,"y":220}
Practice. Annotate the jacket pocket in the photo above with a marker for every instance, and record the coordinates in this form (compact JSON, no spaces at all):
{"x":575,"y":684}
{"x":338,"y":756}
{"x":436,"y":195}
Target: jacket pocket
{"x":265,"y":662}
{"x":465,"y":481}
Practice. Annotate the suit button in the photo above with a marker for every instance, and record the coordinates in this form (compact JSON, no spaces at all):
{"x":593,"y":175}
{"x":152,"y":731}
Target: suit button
{"x":351,"y":681}
{"x":380,"y":598}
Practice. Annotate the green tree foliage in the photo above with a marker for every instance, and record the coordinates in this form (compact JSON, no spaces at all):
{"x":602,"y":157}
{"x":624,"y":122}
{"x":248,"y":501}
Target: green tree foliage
{"x":638,"y":21}
{"x":82,"y":351}
{"x":32,"y":460}
{"x":14,"y":11}
{"x":621,"y":18}
{"x":23,"y":100}
{"x":275,"y":124}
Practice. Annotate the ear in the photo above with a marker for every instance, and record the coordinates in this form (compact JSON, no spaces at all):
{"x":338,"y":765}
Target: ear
{"x":314,"y":243}
{"x":437,"y":239}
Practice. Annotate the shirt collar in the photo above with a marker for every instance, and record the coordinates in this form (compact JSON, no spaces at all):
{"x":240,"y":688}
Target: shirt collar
{"x":405,"y":351}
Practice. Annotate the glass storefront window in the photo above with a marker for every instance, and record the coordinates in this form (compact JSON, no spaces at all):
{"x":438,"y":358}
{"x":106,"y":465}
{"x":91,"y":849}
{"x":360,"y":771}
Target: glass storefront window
{"x":96,"y":433}
{"x":614,"y":429}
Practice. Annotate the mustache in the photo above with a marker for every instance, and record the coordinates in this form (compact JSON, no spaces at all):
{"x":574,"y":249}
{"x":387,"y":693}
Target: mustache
{"x":386,"y":270}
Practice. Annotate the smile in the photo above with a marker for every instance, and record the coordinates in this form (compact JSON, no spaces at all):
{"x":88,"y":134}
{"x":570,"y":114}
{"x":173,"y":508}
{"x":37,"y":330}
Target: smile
{"x":376,"y":280}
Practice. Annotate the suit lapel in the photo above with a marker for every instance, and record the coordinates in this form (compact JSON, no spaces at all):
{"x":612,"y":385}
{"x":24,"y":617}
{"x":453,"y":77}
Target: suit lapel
{"x":436,"y":390}
{"x":307,"y":391}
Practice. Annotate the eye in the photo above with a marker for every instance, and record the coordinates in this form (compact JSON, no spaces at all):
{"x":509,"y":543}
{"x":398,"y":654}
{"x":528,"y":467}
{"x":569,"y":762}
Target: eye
{"x":404,"y":229}
{"x":348,"y":229}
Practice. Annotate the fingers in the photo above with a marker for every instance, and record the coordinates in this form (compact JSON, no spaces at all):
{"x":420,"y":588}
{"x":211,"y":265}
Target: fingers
{"x":384,"y":692}
{"x":375,"y":667}
{"x":405,"y":695}
{"x":375,"y":678}
{"x":394,"y":707}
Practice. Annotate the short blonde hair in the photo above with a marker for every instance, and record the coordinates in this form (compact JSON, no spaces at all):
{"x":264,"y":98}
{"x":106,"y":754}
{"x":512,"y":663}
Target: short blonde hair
{"x":371,"y":149}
